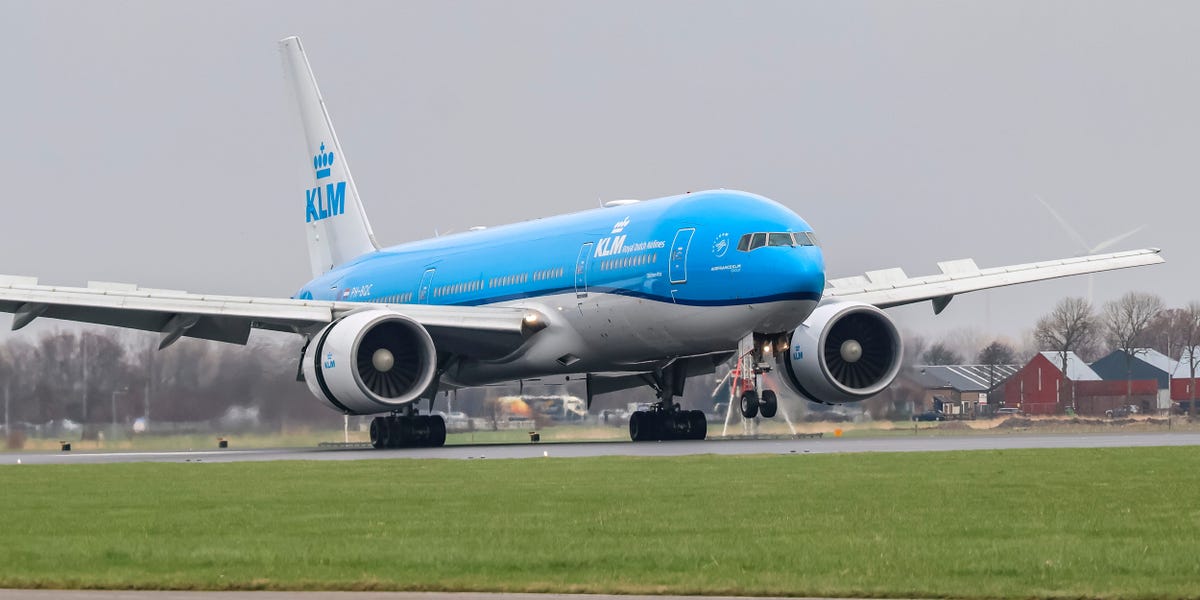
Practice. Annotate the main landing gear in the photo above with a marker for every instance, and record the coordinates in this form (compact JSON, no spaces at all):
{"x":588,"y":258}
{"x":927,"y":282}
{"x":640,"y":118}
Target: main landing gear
{"x":674,"y":424}
{"x":666,"y":421}
{"x":408,"y":431}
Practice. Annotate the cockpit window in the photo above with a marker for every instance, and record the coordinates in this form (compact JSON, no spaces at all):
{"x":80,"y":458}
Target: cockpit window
{"x":779,"y":239}
{"x":806,"y":238}
{"x":758,"y":240}
{"x":752,"y":241}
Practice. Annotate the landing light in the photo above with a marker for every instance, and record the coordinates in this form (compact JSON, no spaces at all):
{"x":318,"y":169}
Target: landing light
{"x":532,"y":323}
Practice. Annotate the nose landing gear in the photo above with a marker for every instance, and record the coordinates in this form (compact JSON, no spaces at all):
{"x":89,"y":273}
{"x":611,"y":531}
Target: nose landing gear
{"x":747,"y":376}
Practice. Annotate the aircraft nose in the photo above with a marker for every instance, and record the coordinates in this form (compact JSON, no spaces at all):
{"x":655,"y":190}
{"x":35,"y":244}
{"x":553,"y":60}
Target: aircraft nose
{"x":809,"y":270}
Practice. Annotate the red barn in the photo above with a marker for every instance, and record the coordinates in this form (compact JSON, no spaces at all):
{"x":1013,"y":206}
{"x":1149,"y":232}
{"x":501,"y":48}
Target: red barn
{"x":1096,"y":398}
{"x":1035,"y":388}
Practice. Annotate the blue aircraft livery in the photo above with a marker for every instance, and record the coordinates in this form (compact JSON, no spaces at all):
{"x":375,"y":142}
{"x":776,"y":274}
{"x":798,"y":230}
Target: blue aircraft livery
{"x":696,"y":249}
{"x":333,"y":202}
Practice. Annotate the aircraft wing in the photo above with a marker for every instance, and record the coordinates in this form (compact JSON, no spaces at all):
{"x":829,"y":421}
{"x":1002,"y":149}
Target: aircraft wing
{"x":477,"y":331}
{"x":892,"y":287}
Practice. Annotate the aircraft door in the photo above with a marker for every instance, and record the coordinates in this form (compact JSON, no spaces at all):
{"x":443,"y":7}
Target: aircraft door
{"x":581,"y":270}
{"x":679,"y":251}
{"x":424,"y":290}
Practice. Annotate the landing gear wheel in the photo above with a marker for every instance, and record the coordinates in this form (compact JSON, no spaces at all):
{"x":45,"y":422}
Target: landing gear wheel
{"x":378,"y":433}
{"x":749,"y":404}
{"x":437,"y":432}
{"x":768,"y":405}
{"x":642,"y":427}
{"x":697,"y":425}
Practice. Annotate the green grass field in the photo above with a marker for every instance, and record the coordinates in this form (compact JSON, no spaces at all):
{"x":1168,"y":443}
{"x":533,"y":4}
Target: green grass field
{"x":1122,"y":523}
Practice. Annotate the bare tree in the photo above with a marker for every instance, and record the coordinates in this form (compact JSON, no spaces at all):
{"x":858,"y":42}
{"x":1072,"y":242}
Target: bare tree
{"x":964,"y":341}
{"x":914,"y":349}
{"x":1187,"y":327}
{"x":997,"y":353}
{"x":1070,"y":327}
{"x":1127,"y":325}
{"x":941,"y":354}
{"x":1162,"y":333}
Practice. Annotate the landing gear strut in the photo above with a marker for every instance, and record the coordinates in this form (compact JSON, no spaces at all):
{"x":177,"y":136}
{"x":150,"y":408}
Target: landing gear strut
{"x":751,"y":366}
{"x":408,"y":431}
{"x":665,"y":420}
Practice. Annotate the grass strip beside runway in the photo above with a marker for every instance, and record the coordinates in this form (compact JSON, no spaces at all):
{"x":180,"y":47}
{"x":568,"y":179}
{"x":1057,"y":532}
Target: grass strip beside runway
{"x":991,"y":524}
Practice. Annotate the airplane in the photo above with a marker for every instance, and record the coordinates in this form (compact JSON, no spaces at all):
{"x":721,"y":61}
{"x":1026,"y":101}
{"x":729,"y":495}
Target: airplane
{"x":635,"y":293}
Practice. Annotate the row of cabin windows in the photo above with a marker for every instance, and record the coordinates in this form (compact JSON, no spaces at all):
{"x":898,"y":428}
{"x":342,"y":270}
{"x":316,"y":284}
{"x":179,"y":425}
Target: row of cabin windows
{"x":508,"y":280}
{"x":458,"y":288}
{"x":396,"y":298}
{"x":629,"y":261}
{"x":547,"y":274}
{"x":752,"y":241}
{"x":474,"y":286}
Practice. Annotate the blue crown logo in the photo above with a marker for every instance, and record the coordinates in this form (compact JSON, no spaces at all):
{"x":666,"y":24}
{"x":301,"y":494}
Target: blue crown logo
{"x":322,"y":161}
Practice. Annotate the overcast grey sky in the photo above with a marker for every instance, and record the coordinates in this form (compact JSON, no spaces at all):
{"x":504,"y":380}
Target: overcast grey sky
{"x":151,"y":142}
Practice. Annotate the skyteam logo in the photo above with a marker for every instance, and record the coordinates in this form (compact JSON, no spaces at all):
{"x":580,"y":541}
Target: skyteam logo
{"x":322,"y":162}
{"x":721,"y":245}
{"x":620,"y":226}
{"x":332,"y":203}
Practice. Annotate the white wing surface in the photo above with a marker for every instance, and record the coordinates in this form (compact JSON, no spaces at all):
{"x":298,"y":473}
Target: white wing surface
{"x":892,"y":287}
{"x":477,"y":331}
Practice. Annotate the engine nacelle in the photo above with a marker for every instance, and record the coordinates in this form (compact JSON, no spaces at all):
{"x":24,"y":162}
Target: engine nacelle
{"x":844,"y":352}
{"x":370,"y":362}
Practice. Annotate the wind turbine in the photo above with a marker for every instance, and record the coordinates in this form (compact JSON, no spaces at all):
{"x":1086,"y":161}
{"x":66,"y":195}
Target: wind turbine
{"x":1083,"y":244}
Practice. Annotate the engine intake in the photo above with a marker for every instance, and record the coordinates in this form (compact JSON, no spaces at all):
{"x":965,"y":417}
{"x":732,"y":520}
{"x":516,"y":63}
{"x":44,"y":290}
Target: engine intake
{"x":844,"y":352}
{"x":370,"y":362}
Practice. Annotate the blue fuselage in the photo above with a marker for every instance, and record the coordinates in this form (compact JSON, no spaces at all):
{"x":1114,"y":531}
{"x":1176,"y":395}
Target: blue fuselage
{"x":680,"y":250}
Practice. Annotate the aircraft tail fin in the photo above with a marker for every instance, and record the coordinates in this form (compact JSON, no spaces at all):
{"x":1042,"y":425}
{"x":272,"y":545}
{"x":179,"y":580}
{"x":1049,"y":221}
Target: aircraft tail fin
{"x":336,"y":224}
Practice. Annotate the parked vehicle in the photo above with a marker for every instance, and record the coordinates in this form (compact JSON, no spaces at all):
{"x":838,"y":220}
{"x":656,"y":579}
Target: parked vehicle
{"x":1121,"y":411}
{"x":1009,"y":411}
{"x":930,"y":415}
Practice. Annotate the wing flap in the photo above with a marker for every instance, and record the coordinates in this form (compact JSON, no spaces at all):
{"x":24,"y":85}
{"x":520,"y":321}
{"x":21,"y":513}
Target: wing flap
{"x":886,"y":288}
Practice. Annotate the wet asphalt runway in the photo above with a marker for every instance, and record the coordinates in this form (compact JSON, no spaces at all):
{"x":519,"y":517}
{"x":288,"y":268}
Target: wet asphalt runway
{"x":824,"y":445}
{"x":167,"y":595}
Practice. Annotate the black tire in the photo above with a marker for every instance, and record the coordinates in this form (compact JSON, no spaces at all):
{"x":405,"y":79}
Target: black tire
{"x":378,"y":439}
{"x":749,"y":404}
{"x":389,"y":432}
{"x":768,"y":405}
{"x":437,"y":432}
{"x":698,"y":425}
{"x":642,"y":427}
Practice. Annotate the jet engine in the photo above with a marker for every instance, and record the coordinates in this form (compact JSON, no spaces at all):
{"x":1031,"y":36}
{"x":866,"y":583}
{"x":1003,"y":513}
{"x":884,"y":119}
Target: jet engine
{"x":844,"y":352}
{"x":370,"y":362}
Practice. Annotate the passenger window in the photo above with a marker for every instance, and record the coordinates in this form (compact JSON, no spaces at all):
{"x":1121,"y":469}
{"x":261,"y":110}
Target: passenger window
{"x":780,"y":239}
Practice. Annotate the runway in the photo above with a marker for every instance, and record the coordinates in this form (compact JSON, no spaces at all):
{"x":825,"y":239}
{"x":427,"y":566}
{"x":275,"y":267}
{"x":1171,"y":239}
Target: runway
{"x":825,"y":445}
{"x":169,"y":595}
